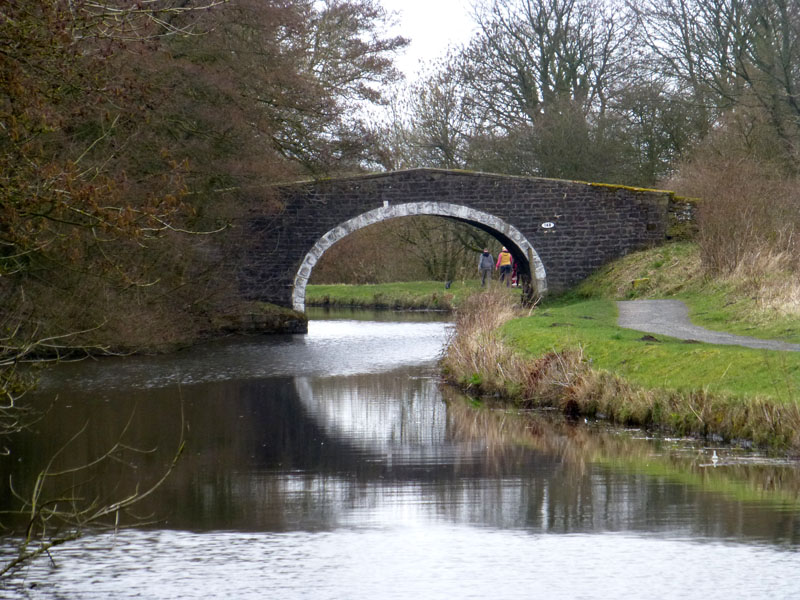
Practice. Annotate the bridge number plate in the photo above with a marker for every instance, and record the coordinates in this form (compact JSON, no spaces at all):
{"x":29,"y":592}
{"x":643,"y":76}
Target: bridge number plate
{"x":548,"y":225}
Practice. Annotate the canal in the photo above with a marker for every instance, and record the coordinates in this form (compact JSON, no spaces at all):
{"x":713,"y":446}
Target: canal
{"x":335,"y":465}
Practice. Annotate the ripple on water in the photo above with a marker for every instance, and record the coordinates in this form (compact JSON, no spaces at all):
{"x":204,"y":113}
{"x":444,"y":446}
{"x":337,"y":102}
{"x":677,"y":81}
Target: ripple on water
{"x":326,"y":350}
{"x":422,"y":560}
{"x":307,"y":486}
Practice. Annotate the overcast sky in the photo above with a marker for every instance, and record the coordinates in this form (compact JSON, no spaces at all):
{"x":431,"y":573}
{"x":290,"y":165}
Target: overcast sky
{"x":431,"y":25}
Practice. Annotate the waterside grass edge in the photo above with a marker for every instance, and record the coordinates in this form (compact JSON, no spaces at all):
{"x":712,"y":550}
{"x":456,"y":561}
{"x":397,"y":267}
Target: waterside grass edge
{"x":571,"y":356}
{"x":406,"y":295}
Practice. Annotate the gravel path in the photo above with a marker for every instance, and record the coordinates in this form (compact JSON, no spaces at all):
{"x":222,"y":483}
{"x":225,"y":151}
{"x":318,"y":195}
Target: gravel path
{"x":671,"y":317}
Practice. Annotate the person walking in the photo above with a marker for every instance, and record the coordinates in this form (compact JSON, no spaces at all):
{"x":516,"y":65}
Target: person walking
{"x":504,"y":263}
{"x":485,"y":263}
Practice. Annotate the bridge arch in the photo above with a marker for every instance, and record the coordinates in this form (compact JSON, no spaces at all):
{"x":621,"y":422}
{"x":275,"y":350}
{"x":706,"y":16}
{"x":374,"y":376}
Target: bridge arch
{"x":531,"y":269}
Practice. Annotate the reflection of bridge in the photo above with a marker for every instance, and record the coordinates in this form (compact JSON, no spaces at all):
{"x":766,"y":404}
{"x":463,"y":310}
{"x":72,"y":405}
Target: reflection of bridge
{"x":412,"y":426}
{"x":558,"y":231}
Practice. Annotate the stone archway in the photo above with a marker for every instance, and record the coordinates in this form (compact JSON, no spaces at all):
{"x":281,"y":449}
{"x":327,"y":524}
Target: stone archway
{"x":531,"y":270}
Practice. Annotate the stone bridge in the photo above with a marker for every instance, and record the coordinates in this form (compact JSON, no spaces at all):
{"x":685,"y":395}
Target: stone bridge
{"x":558,"y":231}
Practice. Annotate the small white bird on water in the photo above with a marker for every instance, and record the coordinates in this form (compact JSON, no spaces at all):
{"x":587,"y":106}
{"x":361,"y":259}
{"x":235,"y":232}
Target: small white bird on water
{"x":715,"y":458}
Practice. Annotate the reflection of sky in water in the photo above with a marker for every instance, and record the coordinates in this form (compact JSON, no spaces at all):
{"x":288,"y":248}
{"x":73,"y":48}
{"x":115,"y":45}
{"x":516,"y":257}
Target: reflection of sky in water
{"x":347,"y":479}
{"x":402,"y":425}
{"x":412,"y":560}
{"x":325,"y":351}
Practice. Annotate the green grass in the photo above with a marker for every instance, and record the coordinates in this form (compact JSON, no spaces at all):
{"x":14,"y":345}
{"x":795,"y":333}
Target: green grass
{"x":403,"y":295}
{"x":668,"y":363}
{"x":721,"y":308}
{"x":673,"y":271}
{"x":666,"y":270}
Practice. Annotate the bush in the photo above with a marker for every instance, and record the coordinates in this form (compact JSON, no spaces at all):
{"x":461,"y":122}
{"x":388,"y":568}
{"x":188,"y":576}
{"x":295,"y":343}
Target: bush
{"x":749,"y":217}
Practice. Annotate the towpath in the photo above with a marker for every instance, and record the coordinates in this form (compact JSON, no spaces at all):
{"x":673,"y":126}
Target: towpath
{"x":671,"y":317}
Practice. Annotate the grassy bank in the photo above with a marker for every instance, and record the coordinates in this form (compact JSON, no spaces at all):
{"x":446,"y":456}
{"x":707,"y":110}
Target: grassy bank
{"x":763,"y":302}
{"x":654,"y":361}
{"x":431,"y":295}
{"x":571,"y":355}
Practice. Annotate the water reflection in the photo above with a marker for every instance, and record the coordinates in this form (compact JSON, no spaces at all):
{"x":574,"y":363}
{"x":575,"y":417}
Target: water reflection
{"x":385,"y":414}
{"x":320,"y":453}
{"x":310,"y":464}
{"x":607,"y":480}
{"x":385,"y":316}
{"x":336,"y":347}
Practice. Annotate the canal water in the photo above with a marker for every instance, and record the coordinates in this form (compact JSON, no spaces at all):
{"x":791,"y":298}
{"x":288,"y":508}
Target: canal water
{"x":334,"y":465}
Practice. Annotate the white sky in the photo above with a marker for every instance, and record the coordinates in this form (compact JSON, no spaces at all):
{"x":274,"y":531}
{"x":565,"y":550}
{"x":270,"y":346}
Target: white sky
{"x":432,"y":26}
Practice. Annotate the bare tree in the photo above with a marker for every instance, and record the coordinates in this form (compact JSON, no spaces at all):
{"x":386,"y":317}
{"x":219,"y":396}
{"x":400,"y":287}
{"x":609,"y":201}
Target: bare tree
{"x":442,"y":117}
{"x":429,"y":122}
{"x":540,"y":81}
{"x":447,"y":249}
{"x":697,"y":43}
{"x":733,"y":56}
{"x":533,"y":55}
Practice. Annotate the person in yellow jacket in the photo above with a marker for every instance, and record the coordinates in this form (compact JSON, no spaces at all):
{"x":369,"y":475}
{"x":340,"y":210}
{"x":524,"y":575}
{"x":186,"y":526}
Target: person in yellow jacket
{"x":504,"y":263}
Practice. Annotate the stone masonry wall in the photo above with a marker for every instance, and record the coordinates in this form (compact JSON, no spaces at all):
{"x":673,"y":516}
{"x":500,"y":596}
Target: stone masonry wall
{"x":574,"y":227}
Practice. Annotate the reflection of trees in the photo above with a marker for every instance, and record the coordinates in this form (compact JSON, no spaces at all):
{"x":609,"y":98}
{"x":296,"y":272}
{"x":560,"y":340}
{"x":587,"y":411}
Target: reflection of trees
{"x":282,"y":454}
{"x":66,"y":493}
{"x":614,"y":481}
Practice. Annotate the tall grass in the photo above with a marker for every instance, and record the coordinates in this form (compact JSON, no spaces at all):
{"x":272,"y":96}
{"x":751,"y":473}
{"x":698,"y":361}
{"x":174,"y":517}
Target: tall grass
{"x":482,"y":362}
{"x":749,"y":226}
{"x":477,"y":356}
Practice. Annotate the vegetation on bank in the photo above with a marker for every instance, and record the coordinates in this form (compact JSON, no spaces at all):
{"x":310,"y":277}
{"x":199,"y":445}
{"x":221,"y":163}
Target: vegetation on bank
{"x":132,"y":140}
{"x":759,"y":298}
{"x":654,"y":361}
{"x":570,"y":355}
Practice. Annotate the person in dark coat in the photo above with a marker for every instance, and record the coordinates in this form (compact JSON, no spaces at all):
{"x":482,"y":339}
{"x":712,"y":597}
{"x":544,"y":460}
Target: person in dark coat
{"x":485,"y":265}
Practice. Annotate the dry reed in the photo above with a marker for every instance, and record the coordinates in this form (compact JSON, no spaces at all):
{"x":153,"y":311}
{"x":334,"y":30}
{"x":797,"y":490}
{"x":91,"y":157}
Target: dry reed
{"x":476,"y":356}
{"x":479,"y":361}
{"x":749,"y":227}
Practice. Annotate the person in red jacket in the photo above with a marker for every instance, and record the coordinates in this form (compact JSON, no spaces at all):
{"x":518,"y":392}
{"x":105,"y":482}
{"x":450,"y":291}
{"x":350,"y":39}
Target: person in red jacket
{"x":504,"y":263}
